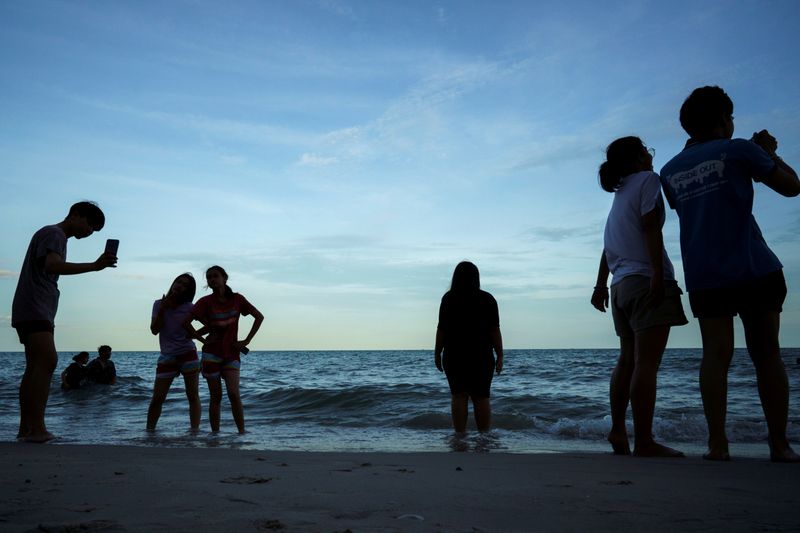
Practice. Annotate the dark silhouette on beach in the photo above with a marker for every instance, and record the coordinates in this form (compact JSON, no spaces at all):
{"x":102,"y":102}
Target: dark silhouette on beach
{"x":219,"y":313}
{"x":728,"y":267}
{"x":645,"y":299}
{"x":35,"y":304}
{"x":178,"y":354}
{"x":467,"y":339}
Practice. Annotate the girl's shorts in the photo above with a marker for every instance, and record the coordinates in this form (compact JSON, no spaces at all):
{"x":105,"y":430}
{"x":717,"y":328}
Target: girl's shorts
{"x":169,"y":366}
{"x":214,"y":365}
{"x":633,"y":311}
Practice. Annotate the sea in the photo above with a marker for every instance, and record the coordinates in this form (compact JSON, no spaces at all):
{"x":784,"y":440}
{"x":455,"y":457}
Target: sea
{"x":545,"y":401}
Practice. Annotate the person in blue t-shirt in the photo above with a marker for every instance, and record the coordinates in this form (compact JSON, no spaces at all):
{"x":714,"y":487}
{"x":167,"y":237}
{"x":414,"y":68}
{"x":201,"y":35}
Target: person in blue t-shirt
{"x":728,"y":267}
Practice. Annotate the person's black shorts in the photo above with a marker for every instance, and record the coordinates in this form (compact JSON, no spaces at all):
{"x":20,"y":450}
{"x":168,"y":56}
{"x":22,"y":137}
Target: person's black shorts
{"x":756,"y":297}
{"x":469,"y":375}
{"x":24,"y":329}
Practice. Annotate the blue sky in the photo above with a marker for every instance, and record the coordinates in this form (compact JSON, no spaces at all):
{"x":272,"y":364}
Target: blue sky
{"x":340,"y":158}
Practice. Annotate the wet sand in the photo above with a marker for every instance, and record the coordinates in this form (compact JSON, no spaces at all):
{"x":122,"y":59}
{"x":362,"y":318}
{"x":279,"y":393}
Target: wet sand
{"x":116,"y":488}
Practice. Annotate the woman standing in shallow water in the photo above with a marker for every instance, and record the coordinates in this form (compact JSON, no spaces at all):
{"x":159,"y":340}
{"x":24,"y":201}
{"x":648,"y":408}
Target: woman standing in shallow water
{"x":645,"y":299}
{"x":219,"y":312}
{"x":178,"y":353}
{"x":468,"y":333}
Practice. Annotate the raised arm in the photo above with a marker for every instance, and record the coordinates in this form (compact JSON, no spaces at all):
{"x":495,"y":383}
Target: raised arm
{"x":55,"y":264}
{"x":783,"y":178}
{"x":193,"y":333}
{"x":258,"y":318}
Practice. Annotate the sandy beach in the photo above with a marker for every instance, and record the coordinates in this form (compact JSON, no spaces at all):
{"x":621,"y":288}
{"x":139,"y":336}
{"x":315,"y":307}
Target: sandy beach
{"x":115,"y":488}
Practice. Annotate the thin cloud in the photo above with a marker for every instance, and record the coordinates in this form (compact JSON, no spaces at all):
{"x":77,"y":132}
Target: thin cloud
{"x":7,"y":274}
{"x":560,"y":233}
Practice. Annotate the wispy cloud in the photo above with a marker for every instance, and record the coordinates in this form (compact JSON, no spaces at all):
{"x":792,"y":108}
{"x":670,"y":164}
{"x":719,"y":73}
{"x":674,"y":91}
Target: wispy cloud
{"x":8,"y":274}
{"x":561,"y":233}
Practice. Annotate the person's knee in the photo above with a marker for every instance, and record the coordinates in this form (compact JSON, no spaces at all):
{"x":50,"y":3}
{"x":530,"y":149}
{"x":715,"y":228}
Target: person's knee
{"x":234,"y":397}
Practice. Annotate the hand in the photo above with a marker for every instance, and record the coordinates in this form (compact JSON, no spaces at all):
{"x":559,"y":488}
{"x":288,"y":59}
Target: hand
{"x":106,"y":260}
{"x":600,"y":298}
{"x":656,"y":293}
{"x":765,"y":141}
{"x":438,"y":361}
{"x":167,"y":302}
{"x":239,"y":345}
{"x":498,"y":366}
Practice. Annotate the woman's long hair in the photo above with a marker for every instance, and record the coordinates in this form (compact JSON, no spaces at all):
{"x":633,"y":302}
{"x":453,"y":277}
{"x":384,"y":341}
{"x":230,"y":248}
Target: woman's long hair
{"x":228,"y":290}
{"x":466,"y":278}
{"x":623,"y":157}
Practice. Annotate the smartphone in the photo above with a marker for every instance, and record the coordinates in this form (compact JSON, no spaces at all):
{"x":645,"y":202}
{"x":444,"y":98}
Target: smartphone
{"x":112,"y":245}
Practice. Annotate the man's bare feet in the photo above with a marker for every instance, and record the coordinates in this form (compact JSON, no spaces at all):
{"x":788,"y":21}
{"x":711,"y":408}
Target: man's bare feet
{"x":39,"y":438}
{"x":619,"y":443}
{"x":655,"y":449}
{"x":782,"y":453}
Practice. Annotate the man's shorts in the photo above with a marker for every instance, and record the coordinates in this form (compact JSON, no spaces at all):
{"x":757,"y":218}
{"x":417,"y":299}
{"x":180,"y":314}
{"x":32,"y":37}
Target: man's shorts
{"x":214,"y":365}
{"x":169,"y":366}
{"x":25,"y":329}
{"x":633,"y":312}
{"x":756,"y":297}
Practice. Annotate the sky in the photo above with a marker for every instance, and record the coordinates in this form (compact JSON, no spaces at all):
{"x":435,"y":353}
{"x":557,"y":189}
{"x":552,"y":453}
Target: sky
{"x":339,"y":158}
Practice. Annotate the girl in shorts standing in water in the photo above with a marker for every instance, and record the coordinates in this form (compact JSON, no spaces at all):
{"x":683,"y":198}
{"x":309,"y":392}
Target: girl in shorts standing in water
{"x":178,"y":353}
{"x":469,"y":336}
{"x":219,"y":312}
{"x":645,"y":298}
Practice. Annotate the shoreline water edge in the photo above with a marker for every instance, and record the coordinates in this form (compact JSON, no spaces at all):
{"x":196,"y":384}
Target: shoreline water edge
{"x":546,"y":401}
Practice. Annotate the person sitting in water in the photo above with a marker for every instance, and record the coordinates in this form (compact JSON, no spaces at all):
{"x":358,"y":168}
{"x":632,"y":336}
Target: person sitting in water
{"x":102,"y":369}
{"x":75,"y":374}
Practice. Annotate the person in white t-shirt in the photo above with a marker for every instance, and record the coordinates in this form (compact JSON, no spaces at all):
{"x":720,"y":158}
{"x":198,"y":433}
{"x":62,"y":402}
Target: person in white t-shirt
{"x":645,"y":298}
{"x":178,"y":352}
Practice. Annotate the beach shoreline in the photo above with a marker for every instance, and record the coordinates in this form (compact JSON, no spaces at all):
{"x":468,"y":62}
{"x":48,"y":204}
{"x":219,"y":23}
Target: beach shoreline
{"x":125,"y":488}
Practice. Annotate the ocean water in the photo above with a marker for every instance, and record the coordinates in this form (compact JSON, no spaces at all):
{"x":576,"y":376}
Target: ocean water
{"x":544,"y":401}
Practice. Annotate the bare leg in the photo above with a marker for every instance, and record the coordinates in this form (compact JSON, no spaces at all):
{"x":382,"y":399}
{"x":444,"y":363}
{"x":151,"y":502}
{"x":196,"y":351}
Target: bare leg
{"x":619,"y":396}
{"x":231,"y":378}
{"x":482,"y":409}
{"x":459,"y":410}
{"x":34,"y":389}
{"x":191,"y":382}
{"x":761,"y":335}
{"x":717,"y":334}
{"x":214,"y":402}
{"x":648,"y":352}
{"x":160,"y":390}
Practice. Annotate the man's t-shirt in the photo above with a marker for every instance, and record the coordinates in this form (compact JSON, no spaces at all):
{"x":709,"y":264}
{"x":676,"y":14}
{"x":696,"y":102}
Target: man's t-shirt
{"x":37,"y":292}
{"x":223,"y":320}
{"x":710,"y":186}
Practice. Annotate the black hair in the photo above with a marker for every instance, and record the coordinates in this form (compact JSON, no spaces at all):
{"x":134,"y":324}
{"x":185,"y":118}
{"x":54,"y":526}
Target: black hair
{"x":465,"y":278}
{"x":103,"y":348}
{"x":623,"y":157}
{"x":704,"y":110}
{"x":228,"y":290}
{"x":80,"y":356}
{"x":91,"y":211}
{"x":188,"y":294}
